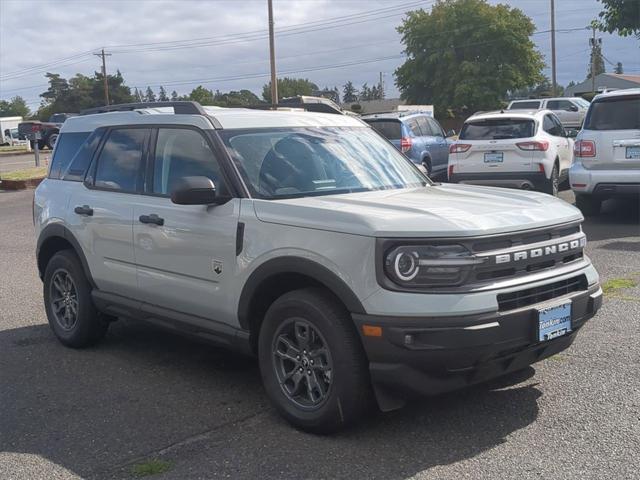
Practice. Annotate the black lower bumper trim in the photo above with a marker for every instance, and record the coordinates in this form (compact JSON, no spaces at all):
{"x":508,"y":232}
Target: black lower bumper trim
{"x":616,"y":189}
{"x":522,"y":180}
{"x":430,"y":355}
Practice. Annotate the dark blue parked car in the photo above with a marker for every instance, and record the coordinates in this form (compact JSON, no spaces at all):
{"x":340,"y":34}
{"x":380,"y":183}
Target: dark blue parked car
{"x":418,"y":135}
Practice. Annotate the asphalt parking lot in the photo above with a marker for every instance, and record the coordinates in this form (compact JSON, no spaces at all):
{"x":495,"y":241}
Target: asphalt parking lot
{"x":144,"y":395}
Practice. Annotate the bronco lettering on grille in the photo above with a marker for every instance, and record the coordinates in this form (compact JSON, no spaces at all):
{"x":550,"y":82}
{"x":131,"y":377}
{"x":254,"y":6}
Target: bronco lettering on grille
{"x":541,"y":252}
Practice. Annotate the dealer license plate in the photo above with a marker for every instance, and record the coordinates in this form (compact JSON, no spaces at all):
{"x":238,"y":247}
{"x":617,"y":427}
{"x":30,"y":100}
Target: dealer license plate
{"x":633,"y":153}
{"x":554,"y":322}
{"x":493,"y":157}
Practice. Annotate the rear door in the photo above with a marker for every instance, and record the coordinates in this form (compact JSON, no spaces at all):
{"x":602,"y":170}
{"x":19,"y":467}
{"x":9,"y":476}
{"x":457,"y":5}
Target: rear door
{"x":186,"y":257}
{"x":101,"y":211}
{"x":441,"y":146}
{"x":613,"y":124}
{"x":493,"y":145}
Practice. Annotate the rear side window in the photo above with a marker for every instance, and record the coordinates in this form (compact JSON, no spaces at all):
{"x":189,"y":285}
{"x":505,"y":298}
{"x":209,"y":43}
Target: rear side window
{"x":528,"y":105}
{"x":390,"y":129}
{"x":412,"y":123}
{"x":559,"y":105}
{"x":424,"y":126}
{"x":615,"y":113}
{"x":120,"y":164}
{"x":67,"y":145}
{"x":498,"y":128}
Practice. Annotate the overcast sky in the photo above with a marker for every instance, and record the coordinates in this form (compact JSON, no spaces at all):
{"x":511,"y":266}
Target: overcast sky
{"x":224,"y":44}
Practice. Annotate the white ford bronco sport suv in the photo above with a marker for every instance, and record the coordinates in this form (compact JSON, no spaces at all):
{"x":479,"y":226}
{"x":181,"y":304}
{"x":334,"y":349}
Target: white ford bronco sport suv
{"x":307,"y":240}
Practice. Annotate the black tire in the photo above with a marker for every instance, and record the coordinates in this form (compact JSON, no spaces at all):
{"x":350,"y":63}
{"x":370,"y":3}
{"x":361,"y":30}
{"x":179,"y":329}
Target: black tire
{"x":426,"y":163}
{"x":552,"y":185}
{"x":347,"y":389}
{"x":41,"y":144}
{"x":51,"y":140}
{"x":86,"y":327}
{"x":588,"y":204}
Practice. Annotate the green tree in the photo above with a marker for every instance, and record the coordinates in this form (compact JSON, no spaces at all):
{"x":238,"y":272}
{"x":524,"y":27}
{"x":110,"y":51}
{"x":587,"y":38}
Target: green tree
{"x":290,"y":87}
{"x":621,"y":16}
{"x":349,"y":93}
{"x":162,"y":95}
{"x":597,"y":60}
{"x":174,"y":95}
{"x":16,"y":107}
{"x":465,"y":55}
{"x":137,"y":96}
{"x":365,"y":92}
{"x":202,"y":95}
{"x":242,"y":98}
{"x":618,"y":68}
{"x":149,"y":96}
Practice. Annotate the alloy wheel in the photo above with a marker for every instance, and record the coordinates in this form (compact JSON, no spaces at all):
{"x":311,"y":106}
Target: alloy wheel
{"x":64,"y":299}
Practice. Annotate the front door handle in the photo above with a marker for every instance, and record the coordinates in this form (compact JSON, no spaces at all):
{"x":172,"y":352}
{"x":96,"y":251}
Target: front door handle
{"x":153,"y":218}
{"x":84,"y":210}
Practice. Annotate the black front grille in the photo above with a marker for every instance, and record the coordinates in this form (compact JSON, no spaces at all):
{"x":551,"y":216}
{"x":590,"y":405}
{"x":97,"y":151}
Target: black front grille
{"x":531,"y":296}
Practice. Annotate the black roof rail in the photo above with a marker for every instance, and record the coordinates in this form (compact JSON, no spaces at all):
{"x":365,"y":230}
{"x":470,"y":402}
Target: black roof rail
{"x":179,"y":107}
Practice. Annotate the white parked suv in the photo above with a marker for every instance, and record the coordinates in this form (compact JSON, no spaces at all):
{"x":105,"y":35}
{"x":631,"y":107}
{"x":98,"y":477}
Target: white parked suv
{"x":527,"y":150}
{"x":571,"y":111}
{"x":309,"y":241}
{"x":607,"y":150}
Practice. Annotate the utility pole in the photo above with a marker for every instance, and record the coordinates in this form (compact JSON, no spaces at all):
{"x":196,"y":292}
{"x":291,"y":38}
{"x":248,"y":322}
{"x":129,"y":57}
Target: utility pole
{"x":554,"y":87}
{"x":594,"y":43}
{"x":272,"y":58}
{"x":104,"y":74}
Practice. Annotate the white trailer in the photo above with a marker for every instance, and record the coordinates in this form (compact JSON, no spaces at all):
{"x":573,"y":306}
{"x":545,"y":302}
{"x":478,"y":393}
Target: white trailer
{"x":6,"y":125}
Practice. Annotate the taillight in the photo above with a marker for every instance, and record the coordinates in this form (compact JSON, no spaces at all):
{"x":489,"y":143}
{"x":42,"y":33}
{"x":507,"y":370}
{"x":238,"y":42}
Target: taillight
{"x":405,"y":144}
{"x":584,"y":148}
{"x":531,"y":146}
{"x":459,"y":147}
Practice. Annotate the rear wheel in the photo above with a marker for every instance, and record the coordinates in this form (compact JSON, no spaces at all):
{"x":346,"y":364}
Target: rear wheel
{"x":426,"y":163}
{"x":68,"y":304}
{"x":312,"y":363}
{"x":552,"y":185}
{"x":588,"y":204}
{"x":51,"y":141}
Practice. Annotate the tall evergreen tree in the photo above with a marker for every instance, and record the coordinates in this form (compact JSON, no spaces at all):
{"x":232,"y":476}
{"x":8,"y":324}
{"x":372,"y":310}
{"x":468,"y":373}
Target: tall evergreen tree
{"x":618,"y":68}
{"x":349,"y":93}
{"x":174,"y":95}
{"x":162,"y":95}
{"x":149,"y":95}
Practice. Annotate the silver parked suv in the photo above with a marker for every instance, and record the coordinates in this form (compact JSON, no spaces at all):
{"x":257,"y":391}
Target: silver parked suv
{"x":308,"y":240}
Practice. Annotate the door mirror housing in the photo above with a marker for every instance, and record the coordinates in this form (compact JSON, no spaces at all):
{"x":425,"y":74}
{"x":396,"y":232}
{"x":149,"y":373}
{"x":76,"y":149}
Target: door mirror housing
{"x":196,"y":191}
{"x":571,"y":133}
{"x":451,"y":133}
{"x":573,"y":108}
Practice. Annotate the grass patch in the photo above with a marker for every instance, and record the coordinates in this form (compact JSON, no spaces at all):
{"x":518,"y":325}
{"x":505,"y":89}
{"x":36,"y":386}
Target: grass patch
{"x":26,"y":174}
{"x":17,"y":148}
{"x":615,"y":284}
{"x":150,"y":467}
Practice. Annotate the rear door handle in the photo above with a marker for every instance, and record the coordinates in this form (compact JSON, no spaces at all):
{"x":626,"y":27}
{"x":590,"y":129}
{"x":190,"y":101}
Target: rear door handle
{"x":153,"y":218}
{"x":84,"y":210}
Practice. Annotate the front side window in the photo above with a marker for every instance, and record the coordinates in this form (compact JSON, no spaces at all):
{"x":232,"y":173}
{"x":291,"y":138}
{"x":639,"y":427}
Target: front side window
{"x":614,"y":113}
{"x":120,"y":164}
{"x":559,"y":105}
{"x":297,"y":162}
{"x":183,"y":153}
{"x":551,"y":127}
{"x":498,"y":129}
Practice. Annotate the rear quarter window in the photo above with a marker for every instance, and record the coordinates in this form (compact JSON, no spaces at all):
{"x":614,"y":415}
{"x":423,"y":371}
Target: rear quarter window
{"x":391,"y":129}
{"x":614,"y":113}
{"x":528,"y":105}
{"x":67,"y":145}
{"x":498,"y":128}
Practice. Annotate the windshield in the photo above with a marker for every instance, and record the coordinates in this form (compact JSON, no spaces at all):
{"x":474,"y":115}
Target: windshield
{"x":499,"y":128}
{"x":297,"y":162}
{"x":582,"y":102}
{"x":614,"y":113}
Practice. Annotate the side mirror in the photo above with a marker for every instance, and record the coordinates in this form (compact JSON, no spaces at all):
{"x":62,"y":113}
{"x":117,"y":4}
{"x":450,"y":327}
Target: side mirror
{"x":571,"y":133}
{"x":573,"y":108}
{"x":451,"y":133}
{"x":196,"y":191}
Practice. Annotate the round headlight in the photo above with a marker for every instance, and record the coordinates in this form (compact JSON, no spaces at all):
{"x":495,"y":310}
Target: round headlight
{"x":405,"y":265}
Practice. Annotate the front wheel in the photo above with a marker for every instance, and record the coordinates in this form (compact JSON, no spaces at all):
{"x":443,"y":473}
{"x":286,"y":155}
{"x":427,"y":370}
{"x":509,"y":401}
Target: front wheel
{"x":313,"y":366}
{"x":51,"y":141}
{"x":68,"y":304}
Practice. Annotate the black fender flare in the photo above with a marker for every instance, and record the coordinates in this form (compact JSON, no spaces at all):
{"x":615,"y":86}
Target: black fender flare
{"x":298,"y":265}
{"x":57,"y":230}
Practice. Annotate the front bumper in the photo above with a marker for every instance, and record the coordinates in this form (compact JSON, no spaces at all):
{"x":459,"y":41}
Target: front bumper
{"x":604,"y":183}
{"x":520,"y":180}
{"x":433,"y":355}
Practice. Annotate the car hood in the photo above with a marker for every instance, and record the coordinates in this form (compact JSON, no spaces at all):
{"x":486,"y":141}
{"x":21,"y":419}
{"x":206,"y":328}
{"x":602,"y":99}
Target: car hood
{"x":432,"y":211}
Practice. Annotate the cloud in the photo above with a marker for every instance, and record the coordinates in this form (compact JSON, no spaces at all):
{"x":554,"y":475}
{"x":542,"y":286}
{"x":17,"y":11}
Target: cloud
{"x":37,"y":32}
